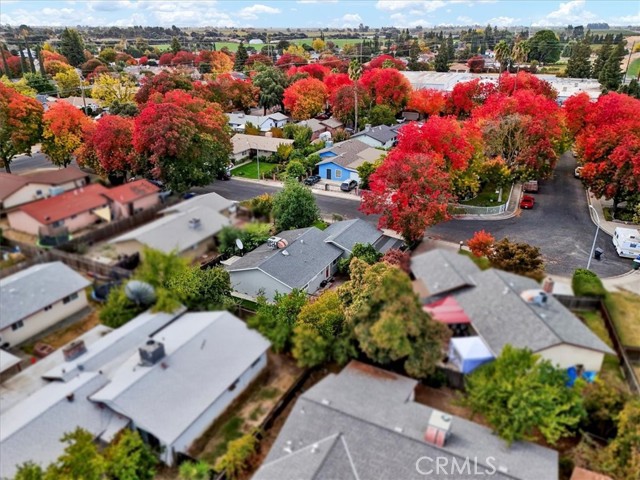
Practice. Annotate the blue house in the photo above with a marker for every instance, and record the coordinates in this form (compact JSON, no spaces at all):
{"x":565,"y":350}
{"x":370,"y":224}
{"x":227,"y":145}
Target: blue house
{"x":340,"y":161}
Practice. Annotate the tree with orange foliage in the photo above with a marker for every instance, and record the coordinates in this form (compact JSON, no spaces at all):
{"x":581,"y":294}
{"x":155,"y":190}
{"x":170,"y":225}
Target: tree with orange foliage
{"x":509,"y":84}
{"x":288,"y":60}
{"x":387,"y":61}
{"x":335,"y":81}
{"x":20,"y":124}
{"x":215,"y":63}
{"x":481,"y":243}
{"x":258,"y":58}
{"x":427,"y":101}
{"x":63,"y":132}
{"x":386,"y":86}
{"x":343,"y":102}
{"x":466,"y":96}
{"x":231,"y":93}
{"x":305,"y":98}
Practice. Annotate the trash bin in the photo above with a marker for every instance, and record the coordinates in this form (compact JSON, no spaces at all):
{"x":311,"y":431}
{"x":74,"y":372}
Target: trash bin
{"x":636,"y":263}
{"x":597,"y":254}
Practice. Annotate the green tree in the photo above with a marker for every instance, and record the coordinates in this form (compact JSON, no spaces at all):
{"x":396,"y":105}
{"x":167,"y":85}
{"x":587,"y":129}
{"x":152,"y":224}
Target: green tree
{"x":518,"y":394}
{"x":118,"y":309}
{"x":29,"y":471}
{"x":108,"y":55}
{"x":414,"y":53}
{"x":441,"y":62}
{"x":382,"y":115}
{"x":633,"y":90}
{"x":611,"y":74}
{"x":295,"y":169}
{"x":502,"y":53}
{"x":387,"y":318}
{"x":81,"y":459}
{"x":621,"y":458}
{"x":544,"y":47}
{"x":364,"y":172}
{"x":579,"y":64}
{"x":195,"y":471}
{"x":272,"y":83}
{"x":72,"y":46}
{"x":320,"y":334}
{"x":68,"y":83}
{"x":40,"y":83}
{"x":241,"y":58}
{"x":21,"y":86}
{"x":302,"y":137}
{"x":519,"y":258}
{"x":277,"y":320}
{"x":294,"y":207}
{"x":601,"y":59}
{"x":235,"y":460}
{"x":355,"y":72}
{"x":175,"y":45}
{"x":129,"y":458}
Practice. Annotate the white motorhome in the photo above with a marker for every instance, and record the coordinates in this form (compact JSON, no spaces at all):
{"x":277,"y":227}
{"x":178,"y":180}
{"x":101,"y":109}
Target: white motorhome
{"x":627,"y":242}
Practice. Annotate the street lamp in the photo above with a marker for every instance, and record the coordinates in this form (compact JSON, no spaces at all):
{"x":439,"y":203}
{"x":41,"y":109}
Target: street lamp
{"x":595,"y":238}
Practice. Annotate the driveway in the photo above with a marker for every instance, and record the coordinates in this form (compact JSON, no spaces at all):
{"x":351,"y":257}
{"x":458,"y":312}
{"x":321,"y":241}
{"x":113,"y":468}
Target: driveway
{"x":559,"y":225}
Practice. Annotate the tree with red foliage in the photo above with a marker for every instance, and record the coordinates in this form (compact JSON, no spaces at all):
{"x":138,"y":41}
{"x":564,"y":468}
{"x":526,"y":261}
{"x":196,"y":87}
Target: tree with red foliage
{"x":256,"y":58}
{"x":165,"y":58}
{"x":232,"y":94}
{"x":184,"y":138}
{"x":162,"y":83}
{"x":334,"y":81}
{"x":48,"y":56}
{"x":608,"y":147}
{"x":13,"y":64}
{"x":126,"y":58}
{"x":334,"y":63}
{"x":97,"y":72}
{"x":20,"y":125}
{"x":215,"y":63}
{"x":343,"y":102}
{"x":476,"y":64}
{"x":305,"y":98}
{"x":427,"y":102}
{"x":89,"y":66}
{"x":410,"y":191}
{"x":576,"y":108}
{"x":481,"y":243}
{"x":400,"y":259}
{"x":63,"y":132}
{"x":509,"y":84}
{"x":143,"y":60}
{"x":387,"y":61}
{"x":466,"y":96}
{"x":183,"y":58}
{"x":386,"y":86}
{"x":288,"y":60}
{"x":314,"y":70}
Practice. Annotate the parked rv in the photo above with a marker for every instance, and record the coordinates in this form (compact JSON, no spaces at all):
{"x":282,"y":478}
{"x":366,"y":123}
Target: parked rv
{"x":627,"y":242}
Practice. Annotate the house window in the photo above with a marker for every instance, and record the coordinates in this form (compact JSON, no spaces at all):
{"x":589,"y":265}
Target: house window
{"x":58,"y":223}
{"x":334,"y":262}
{"x":17,"y":325}
{"x":38,"y":192}
{"x":48,"y":307}
{"x":70,"y":298}
{"x":338,"y":173}
{"x":233,"y":386}
{"x":73,"y":216}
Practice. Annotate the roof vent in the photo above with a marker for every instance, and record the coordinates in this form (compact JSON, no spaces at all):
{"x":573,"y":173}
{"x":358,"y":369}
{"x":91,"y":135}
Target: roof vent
{"x":326,"y":402}
{"x":74,"y":350}
{"x":503,"y":469}
{"x":314,"y":448}
{"x":151,"y":353}
{"x":438,"y":429}
{"x":535,"y":297}
{"x":399,"y":429}
{"x":285,"y":253}
{"x":195,"y":223}
{"x":276,"y":242}
{"x":287,"y":448}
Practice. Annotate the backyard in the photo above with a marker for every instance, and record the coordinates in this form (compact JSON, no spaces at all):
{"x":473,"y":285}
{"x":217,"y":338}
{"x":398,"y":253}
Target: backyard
{"x":250,"y":170}
{"x":487,"y":197}
{"x":634,"y":68}
{"x":624,"y":308}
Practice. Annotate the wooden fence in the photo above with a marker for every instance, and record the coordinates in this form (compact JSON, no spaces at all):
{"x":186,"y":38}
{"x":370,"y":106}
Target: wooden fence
{"x":579,"y":303}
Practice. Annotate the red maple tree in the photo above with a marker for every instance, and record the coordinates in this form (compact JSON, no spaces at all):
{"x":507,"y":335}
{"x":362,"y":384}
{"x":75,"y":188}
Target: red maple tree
{"x":387,"y":61}
{"x":466,"y":96}
{"x":481,"y":243}
{"x":427,"y":101}
{"x":162,"y":83}
{"x":386,"y":86}
{"x":509,"y":84}
{"x":305,"y":98}
{"x":63,"y":126}
{"x":288,"y":60}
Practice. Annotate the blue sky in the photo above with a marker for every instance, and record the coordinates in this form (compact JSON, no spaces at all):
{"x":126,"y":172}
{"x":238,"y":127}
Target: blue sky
{"x":319,"y":13}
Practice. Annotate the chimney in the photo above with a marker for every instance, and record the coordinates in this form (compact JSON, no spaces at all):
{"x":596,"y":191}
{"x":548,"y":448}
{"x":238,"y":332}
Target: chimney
{"x":438,"y":429}
{"x":367,"y":127}
{"x":74,"y":350}
{"x":151,"y":353}
{"x":547,"y":285}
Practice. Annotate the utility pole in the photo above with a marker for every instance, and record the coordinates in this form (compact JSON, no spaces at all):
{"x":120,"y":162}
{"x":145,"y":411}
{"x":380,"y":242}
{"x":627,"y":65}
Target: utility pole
{"x":624,"y":80}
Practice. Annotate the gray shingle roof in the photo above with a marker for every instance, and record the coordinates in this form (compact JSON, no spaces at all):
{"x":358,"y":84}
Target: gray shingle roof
{"x":352,"y":146}
{"x":367,"y":426}
{"x":347,"y":233}
{"x":501,"y":316}
{"x":174,"y":232}
{"x":381,"y":133}
{"x":29,"y":291}
{"x":351,"y":154}
{"x":212,"y":200}
{"x":308,"y":254}
{"x":442,"y":271}
{"x":206,"y":353}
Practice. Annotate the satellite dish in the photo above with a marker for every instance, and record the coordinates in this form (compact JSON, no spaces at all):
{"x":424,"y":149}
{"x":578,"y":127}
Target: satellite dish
{"x":239,"y":244}
{"x":140,"y":292}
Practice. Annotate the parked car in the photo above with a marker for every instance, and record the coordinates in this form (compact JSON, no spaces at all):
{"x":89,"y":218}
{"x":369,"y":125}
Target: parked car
{"x":527,"y":202}
{"x":576,"y":172}
{"x":312,"y":180}
{"x":223,"y":175}
{"x":531,"y":186}
{"x":188,"y":195}
{"x":348,"y":185}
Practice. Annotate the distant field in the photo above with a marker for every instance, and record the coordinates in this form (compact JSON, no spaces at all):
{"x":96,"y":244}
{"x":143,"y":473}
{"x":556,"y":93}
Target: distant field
{"x":634,"y":68}
{"x":234,"y":46}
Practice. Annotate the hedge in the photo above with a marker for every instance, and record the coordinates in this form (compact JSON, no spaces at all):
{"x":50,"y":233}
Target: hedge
{"x":585,"y":283}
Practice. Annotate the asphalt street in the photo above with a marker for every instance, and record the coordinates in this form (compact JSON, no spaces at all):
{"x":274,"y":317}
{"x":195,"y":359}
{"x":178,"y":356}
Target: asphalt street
{"x":559,"y":224}
{"x":24,"y":163}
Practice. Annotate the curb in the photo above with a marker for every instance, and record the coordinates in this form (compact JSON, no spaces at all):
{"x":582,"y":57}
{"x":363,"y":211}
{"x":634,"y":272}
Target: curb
{"x":317,"y":191}
{"x":497,"y":216}
{"x":597,"y":224}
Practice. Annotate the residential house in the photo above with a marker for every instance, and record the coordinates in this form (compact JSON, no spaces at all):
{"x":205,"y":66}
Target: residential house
{"x":9,"y":364}
{"x":245,"y":146}
{"x":147,"y":375}
{"x":81,"y":102}
{"x":502,"y":308}
{"x":303,"y":259}
{"x":340,"y":161}
{"x":319,"y":126}
{"x":382,"y":136}
{"x":190,"y":233}
{"x":17,"y":190}
{"x":132,"y":197}
{"x":239,"y":120}
{"x":72,"y":211}
{"x":35,"y":299}
{"x":210,"y":200}
{"x":365,"y":422}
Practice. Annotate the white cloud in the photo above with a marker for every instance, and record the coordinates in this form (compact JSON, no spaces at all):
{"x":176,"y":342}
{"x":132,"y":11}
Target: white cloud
{"x":572,"y":11}
{"x":422,"y":6}
{"x":401,"y":20}
{"x":251,"y":13}
{"x":348,"y":20}
{"x":317,"y":1}
{"x":626,"y":20}
{"x":464,"y":20}
{"x":503,"y":21}
{"x":109,"y":5}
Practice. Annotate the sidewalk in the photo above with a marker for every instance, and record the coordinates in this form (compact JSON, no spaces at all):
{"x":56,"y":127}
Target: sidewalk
{"x":513,"y":207}
{"x":327,"y":193}
{"x":629,"y":282}
{"x":598,"y":218}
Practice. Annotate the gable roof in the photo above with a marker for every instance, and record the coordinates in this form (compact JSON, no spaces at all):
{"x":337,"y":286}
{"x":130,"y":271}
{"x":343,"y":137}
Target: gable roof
{"x":439,"y":271}
{"x":347,"y":233}
{"x":332,"y":122}
{"x":349,"y":154}
{"x":205,"y":353}
{"x":175,"y":232}
{"x":56,"y":176}
{"x":72,"y":202}
{"x":501,"y":316}
{"x":211,"y":200}
{"x":10,"y":183}
{"x":131,"y":191}
{"x":363,"y":423}
{"x":240,"y":118}
{"x":307,"y":253}
{"x":381,"y":133}
{"x":29,"y":291}
{"x":7,"y":360}
{"x":241,"y":142}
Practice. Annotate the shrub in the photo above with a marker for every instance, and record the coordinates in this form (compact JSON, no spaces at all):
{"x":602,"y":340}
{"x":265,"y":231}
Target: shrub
{"x":481,"y":243}
{"x":585,"y":283}
{"x":518,"y":258}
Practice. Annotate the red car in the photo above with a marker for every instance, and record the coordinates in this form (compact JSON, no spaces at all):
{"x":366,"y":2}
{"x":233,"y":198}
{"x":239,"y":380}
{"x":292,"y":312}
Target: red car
{"x":527,"y":202}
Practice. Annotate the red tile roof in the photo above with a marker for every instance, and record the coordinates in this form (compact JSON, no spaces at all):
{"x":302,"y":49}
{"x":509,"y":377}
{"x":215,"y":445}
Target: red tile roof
{"x":9,"y":183}
{"x":132,"y":191}
{"x":67,"y":204}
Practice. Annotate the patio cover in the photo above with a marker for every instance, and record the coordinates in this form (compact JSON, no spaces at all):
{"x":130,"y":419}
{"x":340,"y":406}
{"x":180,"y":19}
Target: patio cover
{"x":468,"y":353}
{"x":447,"y":310}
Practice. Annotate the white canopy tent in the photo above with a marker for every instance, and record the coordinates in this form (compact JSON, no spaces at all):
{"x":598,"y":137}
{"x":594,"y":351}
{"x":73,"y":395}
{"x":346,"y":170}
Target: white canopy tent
{"x":468,"y":353}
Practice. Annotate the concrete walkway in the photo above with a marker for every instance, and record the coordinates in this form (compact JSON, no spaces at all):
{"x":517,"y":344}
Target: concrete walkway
{"x":605,"y":225}
{"x":328,"y":193}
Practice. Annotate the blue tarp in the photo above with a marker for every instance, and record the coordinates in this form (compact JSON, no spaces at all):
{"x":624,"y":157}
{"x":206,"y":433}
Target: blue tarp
{"x":468,"y":353}
{"x":589,"y":377}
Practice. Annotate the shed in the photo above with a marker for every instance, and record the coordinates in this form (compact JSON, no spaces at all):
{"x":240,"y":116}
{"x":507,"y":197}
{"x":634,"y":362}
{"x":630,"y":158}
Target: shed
{"x":468,"y":353}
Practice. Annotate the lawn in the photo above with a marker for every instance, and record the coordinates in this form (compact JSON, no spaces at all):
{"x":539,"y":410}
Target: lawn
{"x":487,"y":197}
{"x":483,"y":263}
{"x":624,"y":308}
{"x":634,"y":68}
{"x":250,"y":170}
